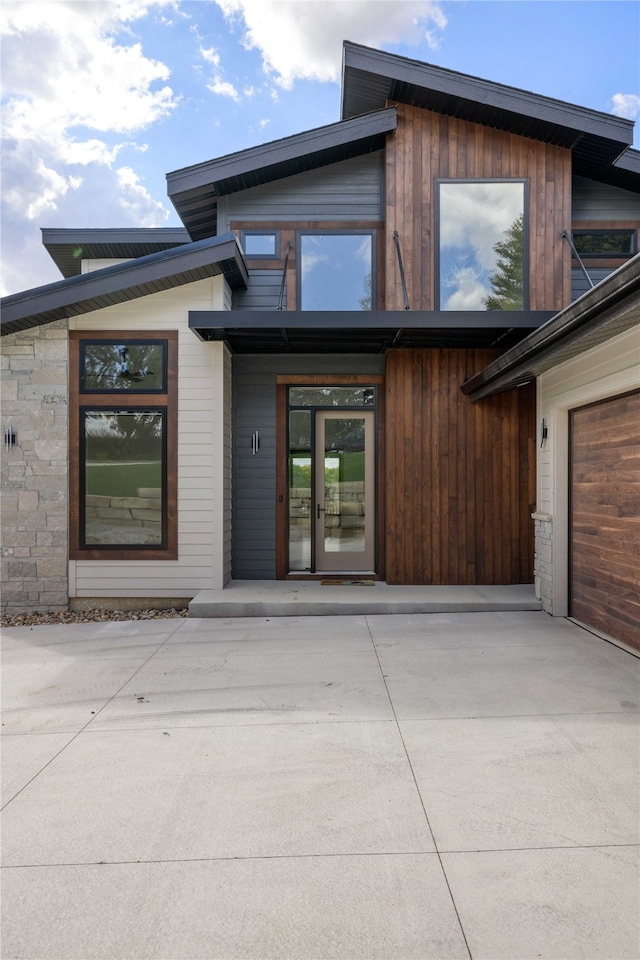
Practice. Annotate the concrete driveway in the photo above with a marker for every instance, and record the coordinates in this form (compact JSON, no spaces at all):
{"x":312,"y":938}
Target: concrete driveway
{"x":399,"y":787}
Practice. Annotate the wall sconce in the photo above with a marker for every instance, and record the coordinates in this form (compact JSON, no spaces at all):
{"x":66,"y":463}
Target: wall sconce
{"x":255,"y":443}
{"x":544,"y":432}
{"x":10,"y":437}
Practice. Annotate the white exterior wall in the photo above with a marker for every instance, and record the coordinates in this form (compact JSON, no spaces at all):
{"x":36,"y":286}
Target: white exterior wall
{"x":605,"y":371}
{"x":204,"y":453}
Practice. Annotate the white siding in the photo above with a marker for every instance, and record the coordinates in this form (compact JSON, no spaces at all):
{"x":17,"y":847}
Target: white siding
{"x":204,"y":441}
{"x":604,"y":371}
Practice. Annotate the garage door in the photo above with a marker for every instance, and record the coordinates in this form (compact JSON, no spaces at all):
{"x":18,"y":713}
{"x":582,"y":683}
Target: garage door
{"x":605,"y":517}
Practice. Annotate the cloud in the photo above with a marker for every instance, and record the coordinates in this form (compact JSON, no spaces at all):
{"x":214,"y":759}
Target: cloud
{"x":302,"y":40}
{"x":217,"y":84}
{"x":77,"y":88}
{"x":625,"y":105}
{"x":137,"y":202}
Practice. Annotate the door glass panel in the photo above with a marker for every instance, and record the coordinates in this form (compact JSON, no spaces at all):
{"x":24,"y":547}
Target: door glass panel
{"x":300,"y":490}
{"x":344,"y":485}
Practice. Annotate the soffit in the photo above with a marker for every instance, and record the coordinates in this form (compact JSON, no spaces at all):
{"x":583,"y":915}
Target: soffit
{"x":125,"y":281}
{"x":68,"y":248}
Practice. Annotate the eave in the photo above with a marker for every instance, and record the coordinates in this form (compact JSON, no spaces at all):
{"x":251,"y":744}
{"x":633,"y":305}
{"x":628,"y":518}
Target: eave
{"x":69,"y":247}
{"x":371,"y":78}
{"x":194,"y":191}
{"x":610,"y":308}
{"x":125,"y":281}
{"x":335,"y":331}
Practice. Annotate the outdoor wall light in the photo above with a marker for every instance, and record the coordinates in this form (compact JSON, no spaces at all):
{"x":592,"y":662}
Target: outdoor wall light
{"x":544,"y":432}
{"x":10,"y":437}
{"x":255,"y":443}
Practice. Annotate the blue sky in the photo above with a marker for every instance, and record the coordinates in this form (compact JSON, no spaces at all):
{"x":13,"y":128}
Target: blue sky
{"x":102,"y":99}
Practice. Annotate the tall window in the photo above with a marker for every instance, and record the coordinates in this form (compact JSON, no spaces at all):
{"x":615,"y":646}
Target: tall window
{"x":482,"y":245}
{"x":123,"y":446}
{"x":336,"y":270}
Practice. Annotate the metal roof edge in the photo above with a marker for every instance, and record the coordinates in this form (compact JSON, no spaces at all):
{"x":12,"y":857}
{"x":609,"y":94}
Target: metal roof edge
{"x":614,"y":290}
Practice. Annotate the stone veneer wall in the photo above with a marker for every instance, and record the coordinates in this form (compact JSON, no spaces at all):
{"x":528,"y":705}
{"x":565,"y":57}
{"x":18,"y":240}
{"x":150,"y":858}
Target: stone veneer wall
{"x":34,"y":471}
{"x":543,"y":560}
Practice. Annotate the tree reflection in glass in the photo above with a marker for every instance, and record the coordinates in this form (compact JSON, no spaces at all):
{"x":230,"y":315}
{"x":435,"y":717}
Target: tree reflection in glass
{"x":123,"y":366}
{"x":482,"y":245}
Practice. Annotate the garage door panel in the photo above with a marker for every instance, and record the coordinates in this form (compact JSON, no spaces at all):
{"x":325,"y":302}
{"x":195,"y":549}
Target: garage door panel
{"x":605,"y":517}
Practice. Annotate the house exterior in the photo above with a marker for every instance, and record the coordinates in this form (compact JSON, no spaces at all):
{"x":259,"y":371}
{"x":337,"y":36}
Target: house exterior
{"x":274,"y":390}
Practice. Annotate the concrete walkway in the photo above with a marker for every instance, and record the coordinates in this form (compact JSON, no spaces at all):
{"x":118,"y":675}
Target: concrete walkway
{"x":363,"y":787}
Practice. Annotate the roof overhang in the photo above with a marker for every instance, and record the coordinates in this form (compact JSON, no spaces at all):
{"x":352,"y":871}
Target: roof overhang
{"x":610,"y":308}
{"x":195,"y":190}
{"x":371,"y":78}
{"x":125,"y":281}
{"x":335,"y":331}
{"x":68,"y":248}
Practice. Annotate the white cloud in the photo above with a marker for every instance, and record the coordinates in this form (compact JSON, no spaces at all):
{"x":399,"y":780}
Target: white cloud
{"x":625,"y":105}
{"x":137,"y":202}
{"x":302,"y":39}
{"x":217,"y":84}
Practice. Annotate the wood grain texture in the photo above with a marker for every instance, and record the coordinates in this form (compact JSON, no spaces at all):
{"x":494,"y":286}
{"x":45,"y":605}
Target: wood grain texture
{"x":428,"y":146}
{"x":605,"y":517}
{"x":460,"y":477}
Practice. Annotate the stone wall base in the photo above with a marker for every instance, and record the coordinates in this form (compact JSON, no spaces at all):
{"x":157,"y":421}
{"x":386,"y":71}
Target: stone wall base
{"x":543,"y":559}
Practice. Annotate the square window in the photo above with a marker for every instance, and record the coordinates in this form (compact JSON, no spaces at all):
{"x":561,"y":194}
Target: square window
{"x":336,"y":270}
{"x":261,"y":244}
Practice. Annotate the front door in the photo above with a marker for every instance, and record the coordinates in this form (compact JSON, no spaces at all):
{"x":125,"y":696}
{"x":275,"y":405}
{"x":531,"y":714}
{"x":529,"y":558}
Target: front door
{"x":344,"y":491}
{"x":331,"y":479}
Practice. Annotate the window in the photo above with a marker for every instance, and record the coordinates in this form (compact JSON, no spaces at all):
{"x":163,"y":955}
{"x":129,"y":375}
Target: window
{"x":123,"y":461}
{"x":336,"y":270}
{"x":605,"y":243}
{"x":482,"y":250}
{"x":261,"y":244}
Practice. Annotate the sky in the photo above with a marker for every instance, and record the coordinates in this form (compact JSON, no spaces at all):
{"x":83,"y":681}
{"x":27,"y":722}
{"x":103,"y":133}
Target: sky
{"x":102,"y":99}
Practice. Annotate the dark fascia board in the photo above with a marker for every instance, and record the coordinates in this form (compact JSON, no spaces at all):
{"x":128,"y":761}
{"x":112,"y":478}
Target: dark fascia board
{"x":279,"y":158}
{"x":67,"y":247}
{"x":204,"y":321}
{"x":125,"y":281}
{"x":609,"y":308}
{"x":364,"y":67}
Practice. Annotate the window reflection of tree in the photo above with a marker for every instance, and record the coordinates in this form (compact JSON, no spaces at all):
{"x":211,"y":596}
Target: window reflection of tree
{"x":110,"y":366}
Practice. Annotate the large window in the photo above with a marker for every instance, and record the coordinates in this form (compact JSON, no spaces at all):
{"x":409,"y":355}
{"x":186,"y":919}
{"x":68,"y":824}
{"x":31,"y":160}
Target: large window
{"x":123,"y":446}
{"x":336,"y":270}
{"x":482,"y":245}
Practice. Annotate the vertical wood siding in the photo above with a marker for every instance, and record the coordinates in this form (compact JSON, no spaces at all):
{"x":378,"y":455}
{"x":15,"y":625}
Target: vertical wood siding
{"x":428,"y":146}
{"x":460,"y":477}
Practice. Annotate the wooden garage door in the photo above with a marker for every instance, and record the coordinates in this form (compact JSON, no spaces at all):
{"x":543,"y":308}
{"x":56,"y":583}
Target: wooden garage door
{"x":605,"y":517}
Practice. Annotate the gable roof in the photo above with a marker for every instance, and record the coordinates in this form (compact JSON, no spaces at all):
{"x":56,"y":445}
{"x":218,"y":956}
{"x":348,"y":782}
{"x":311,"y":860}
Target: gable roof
{"x":372,"y":77}
{"x":194,"y":190}
{"x":609,"y":308}
{"x":68,"y":248}
{"x":125,"y":281}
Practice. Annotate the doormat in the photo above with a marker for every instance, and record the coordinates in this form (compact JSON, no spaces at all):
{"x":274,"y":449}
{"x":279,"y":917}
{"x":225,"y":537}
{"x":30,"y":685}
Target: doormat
{"x":347,"y":583}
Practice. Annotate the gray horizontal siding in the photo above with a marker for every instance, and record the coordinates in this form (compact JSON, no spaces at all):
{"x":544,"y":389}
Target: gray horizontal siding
{"x":599,"y":201}
{"x":350,"y":190}
{"x":579,"y":283}
{"x":254,"y":478}
{"x":262,"y":293}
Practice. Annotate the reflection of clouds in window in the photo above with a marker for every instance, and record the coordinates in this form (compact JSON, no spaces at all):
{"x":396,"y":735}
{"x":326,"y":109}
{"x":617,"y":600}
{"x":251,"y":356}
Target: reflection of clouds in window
{"x":335,"y":271}
{"x":474,"y":217}
{"x":310,"y":261}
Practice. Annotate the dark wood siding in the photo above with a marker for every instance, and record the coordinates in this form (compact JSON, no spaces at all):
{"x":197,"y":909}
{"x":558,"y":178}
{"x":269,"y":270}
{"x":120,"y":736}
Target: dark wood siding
{"x":460,"y":477}
{"x":427,"y":146}
{"x":605,"y":517}
{"x":254,"y":477}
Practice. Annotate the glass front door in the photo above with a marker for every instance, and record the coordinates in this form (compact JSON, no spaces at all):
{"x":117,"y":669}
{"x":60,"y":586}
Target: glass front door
{"x":331,"y":480}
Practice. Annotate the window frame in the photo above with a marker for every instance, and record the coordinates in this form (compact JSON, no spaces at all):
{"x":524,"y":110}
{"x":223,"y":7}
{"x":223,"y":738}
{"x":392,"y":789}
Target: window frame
{"x":81,"y":401}
{"x":255,"y":232}
{"x":526,"y":280}
{"x":122,"y":391}
{"x":604,"y":231}
{"x":345,"y":231}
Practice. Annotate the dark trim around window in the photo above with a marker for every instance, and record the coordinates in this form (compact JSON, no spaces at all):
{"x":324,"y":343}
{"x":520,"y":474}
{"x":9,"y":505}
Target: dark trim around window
{"x":631,"y":235}
{"x":152,"y":401}
{"x":261,"y":233}
{"x":346,"y":231}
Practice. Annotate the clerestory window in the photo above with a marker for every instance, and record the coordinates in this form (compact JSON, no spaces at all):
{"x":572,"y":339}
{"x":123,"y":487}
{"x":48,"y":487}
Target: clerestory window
{"x":482,"y":248}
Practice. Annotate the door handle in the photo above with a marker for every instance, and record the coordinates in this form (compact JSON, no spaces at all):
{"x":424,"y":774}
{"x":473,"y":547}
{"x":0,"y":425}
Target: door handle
{"x":320,"y":510}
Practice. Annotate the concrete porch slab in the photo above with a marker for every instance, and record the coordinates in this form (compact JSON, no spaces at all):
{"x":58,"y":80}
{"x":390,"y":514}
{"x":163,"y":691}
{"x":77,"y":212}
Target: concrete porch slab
{"x":296,"y":598}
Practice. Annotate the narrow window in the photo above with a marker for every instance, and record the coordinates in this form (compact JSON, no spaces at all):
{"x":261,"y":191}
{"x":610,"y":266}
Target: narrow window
{"x":123,"y":460}
{"x":257,"y":243}
{"x":336,"y":270}
{"x":482,"y":245}
{"x":605,"y":243}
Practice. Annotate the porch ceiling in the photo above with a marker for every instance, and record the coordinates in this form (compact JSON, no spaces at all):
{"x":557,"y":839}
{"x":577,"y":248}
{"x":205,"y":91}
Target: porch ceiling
{"x":270,"y":331}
